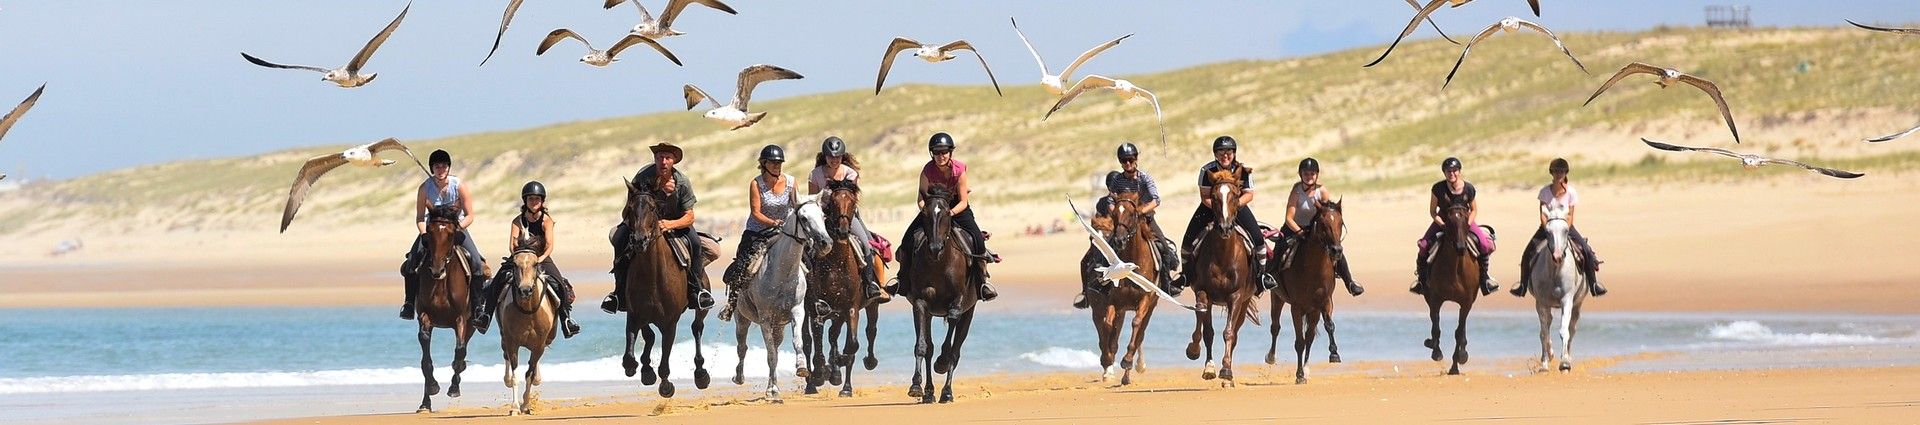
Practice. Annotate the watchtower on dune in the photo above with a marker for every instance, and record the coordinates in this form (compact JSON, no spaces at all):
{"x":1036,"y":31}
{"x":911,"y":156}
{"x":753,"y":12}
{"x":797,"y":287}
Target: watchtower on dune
{"x":1725,"y":16}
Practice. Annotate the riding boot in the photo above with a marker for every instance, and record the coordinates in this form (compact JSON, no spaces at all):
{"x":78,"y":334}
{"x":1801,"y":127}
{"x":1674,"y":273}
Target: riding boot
{"x":1260,"y":268}
{"x":733,"y":292}
{"x":700,"y":297}
{"x":413,"y":287}
{"x":1419,"y":276}
{"x":1592,"y":270}
{"x":483,"y":304}
{"x":870,"y":286}
{"x":1486,"y":276}
{"x":568,"y":328}
{"x":615,"y":301}
{"x":1340,"y":269}
{"x":1526,"y":275}
{"x":986,"y":288}
{"x":1180,"y":280}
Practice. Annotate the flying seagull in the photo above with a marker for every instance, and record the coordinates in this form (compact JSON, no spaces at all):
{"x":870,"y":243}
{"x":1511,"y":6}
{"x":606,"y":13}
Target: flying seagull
{"x":349,"y":76}
{"x":931,"y":54}
{"x":1873,"y":140}
{"x":1435,"y":25}
{"x":1751,"y":161}
{"x":363,"y":156}
{"x":1669,"y":76}
{"x":1056,"y":84}
{"x":735,"y":113}
{"x":1510,"y":24}
{"x":507,"y":18}
{"x":1422,"y":15}
{"x":1117,"y":269}
{"x":6,"y":123}
{"x":601,"y":58}
{"x":1907,"y":31}
{"x":1123,"y":88}
{"x":663,"y":27}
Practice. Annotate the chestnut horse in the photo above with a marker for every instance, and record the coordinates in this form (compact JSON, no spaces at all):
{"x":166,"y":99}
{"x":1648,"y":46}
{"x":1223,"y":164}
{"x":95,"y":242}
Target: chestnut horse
{"x":836,"y":297}
{"x":1453,"y":276}
{"x":1127,"y":231}
{"x":527,"y":322}
{"x":1308,"y":285}
{"x":656,"y":292}
{"x":443,"y":300}
{"x":939,"y":282}
{"x":1221,"y":274}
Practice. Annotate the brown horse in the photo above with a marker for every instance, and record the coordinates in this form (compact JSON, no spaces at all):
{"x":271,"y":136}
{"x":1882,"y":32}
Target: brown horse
{"x":1454,"y":276}
{"x":656,"y":292}
{"x":836,"y":300}
{"x":940,"y":283}
{"x":1308,"y":285}
{"x":443,"y":300}
{"x":1127,"y":231}
{"x":1221,"y":274}
{"x":527,"y":322}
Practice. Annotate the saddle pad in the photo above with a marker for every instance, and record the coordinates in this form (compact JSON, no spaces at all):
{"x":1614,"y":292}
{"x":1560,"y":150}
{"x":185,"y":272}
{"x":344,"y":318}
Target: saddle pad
{"x":883,"y":246}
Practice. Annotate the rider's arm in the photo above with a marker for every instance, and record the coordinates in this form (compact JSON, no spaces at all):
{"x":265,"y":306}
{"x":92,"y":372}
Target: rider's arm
{"x":683,"y":222}
{"x":420,"y":209}
{"x":513,"y":236}
{"x":1543,"y":214}
{"x":546,"y":224}
{"x":466,"y":208}
{"x":753,"y":204}
{"x":1473,"y":210}
{"x":1433,"y":209}
{"x":1292,"y":201}
{"x":1569,"y":215}
{"x":964,"y":193}
{"x":920,"y":196}
{"x":811,"y":186}
{"x":1246,"y":192}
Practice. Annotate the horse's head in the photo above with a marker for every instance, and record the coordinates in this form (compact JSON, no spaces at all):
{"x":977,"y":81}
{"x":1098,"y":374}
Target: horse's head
{"x":1124,"y":213}
{"x":640,"y":214}
{"x":1330,"y":224}
{"x":527,"y":281}
{"x":939,"y":219}
{"x":443,"y":227}
{"x":809,"y":221}
{"x":1226,"y":195}
{"x":1557,"y":228}
{"x":842,"y":204}
{"x":1457,"y":222}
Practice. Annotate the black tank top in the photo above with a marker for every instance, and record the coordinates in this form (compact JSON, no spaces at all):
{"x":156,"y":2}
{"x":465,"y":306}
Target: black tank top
{"x":535,"y":235}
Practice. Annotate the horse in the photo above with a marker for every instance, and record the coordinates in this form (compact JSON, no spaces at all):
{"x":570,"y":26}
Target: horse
{"x":1308,"y":285}
{"x":443,"y":299}
{"x":1127,"y":231}
{"x":527,"y":322}
{"x":772,"y":298}
{"x":1453,"y":276}
{"x":1222,"y":274}
{"x":836,"y":298}
{"x":656,"y":292}
{"x":939,"y":283}
{"x":1558,"y":287}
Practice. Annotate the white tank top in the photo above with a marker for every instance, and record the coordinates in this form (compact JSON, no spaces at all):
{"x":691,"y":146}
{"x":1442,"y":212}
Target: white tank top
{"x":1308,"y":205}
{"x":775,"y":205}
{"x":443,"y":196}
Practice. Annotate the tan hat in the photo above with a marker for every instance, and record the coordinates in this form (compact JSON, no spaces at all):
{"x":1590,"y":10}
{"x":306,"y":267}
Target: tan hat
{"x":678,"y":155}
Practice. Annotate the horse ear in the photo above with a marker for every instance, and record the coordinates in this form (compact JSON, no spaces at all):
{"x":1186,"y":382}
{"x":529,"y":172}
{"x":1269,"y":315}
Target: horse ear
{"x":629,"y":185}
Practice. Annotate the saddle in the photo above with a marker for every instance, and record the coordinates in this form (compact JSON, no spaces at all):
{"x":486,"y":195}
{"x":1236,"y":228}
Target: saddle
{"x":681,"y":254}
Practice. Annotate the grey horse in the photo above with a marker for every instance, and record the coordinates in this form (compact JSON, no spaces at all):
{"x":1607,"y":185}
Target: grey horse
{"x":1557,"y":285}
{"x":773,"y":297}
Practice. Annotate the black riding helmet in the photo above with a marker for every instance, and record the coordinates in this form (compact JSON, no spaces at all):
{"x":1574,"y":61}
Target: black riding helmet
{"x":1225,"y":143}
{"x":1127,"y":151}
{"x":940,"y":142}
{"x":833,"y":146}
{"x":1450,"y":164}
{"x":533,"y":188}
{"x":773,"y":153}
{"x":1559,"y":165}
{"x":439,"y":156}
{"x":1309,"y":164}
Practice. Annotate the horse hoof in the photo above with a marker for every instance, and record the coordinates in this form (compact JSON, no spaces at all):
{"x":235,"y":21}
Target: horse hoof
{"x":1227,"y":375}
{"x":946,"y":396}
{"x":630,"y":366}
{"x":647,"y":377}
{"x":1193,"y":351}
{"x":1126,"y":379}
{"x":527,"y":411}
{"x":423,"y":410}
{"x":1565,"y":366}
{"x":433,"y":389}
{"x":1333,"y":358}
{"x":1270,"y":359}
{"x":1207,"y":375}
{"x":454,"y":392}
{"x":701,"y":379}
{"x":1299,"y":379}
{"x":666,"y":389}
{"x":1430,"y":343}
{"x":1455,"y":370}
{"x":833,"y":379}
{"x":810,"y":390}
{"x":1460,"y":357}
{"x":871,"y":362}
{"x":1437,"y":356}
{"x":801,"y":372}
{"x":911,"y":392}
{"x":775,"y":399}
{"x":846,"y":393}
{"x":737,"y":380}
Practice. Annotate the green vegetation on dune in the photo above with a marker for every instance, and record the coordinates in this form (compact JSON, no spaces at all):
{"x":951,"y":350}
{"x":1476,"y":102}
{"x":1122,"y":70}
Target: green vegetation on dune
{"x":1378,"y":129}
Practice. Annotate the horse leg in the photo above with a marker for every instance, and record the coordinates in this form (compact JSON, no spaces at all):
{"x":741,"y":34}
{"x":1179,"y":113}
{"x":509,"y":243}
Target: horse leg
{"x":1104,"y":324}
{"x":1237,"y":314}
{"x":533,"y":378}
{"x":956,"y":339}
{"x":1206,"y":336}
{"x":944,"y":363}
{"x":461,"y":331}
{"x":1546,"y":345}
{"x":771,"y":334}
{"x":816,"y":354}
{"x":873,"y":329}
{"x":647,"y":375}
{"x":426,"y":367}
{"x":922,"y":354}
{"x":852,"y":348}
{"x":1433,"y":315}
{"x":700,"y":377}
{"x":1273,"y":330}
{"x":1300,"y":328}
{"x":1305,"y":345}
{"x":1133,"y":363}
{"x":1570,"y":320}
{"x":1460,"y":339}
{"x":1202,"y":311}
{"x":668,"y":331}
{"x":740,"y":326}
{"x":627,"y":362}
{"x":833,"y":354}
{"x":510,"y":356}
{"x":1333,"y":347}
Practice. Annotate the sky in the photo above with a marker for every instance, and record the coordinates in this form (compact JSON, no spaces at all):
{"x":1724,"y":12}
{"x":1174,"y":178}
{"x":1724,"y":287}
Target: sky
{"x":142,"y":82}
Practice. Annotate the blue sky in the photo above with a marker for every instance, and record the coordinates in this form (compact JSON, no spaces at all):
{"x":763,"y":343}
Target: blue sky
{"x":139,"y":82}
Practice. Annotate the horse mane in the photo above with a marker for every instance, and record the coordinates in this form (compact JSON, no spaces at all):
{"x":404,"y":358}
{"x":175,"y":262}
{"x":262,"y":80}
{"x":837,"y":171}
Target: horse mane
{"x":1228,"y":175}
{"x":444,"y":213}
{"x":941,"y":192}
{"x":1102,"y":222}
{"x":847,"y":185}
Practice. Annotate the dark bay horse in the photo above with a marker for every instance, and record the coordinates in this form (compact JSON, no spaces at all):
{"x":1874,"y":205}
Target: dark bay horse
{"x":443,"y":300}
{"x":1308,"y":286}
{"x":656,"y":292}
{"x":836,"y":300}
{"x":940,"y":283}
{"x":1454,"y":276}
{"x":1127,"y":231}
{"x":527,"y":321}
{"x":1221,"y":274}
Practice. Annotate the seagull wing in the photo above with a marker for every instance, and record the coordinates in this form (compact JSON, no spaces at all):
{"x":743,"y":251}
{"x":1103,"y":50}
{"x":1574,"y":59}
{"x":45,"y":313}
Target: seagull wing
{"x":1036,"y":53}
{"x":1678,"y":148}
{"x":392,"y":145}
{"x":303,"y":182}
{"x":1873,"y":140}
{"x":1714,"y":91}
{"x":506,"y":18}
{"x":1630,"y":69}
{"x":900,"y":44}
{"x":1907,"y":31}
{"x":258,"y":61}
{"x":1822,"y":170}
{"x":555,"y":37}
{"x":1484,"y":34}
{"x":360,"y":59}
{"x":1087,"y":83}
{"x":1148,"y":285}
{"x":1162,"y":119}
{"x":632,"y":39}
{"x":6,"y":123}
{"x":611,"y":3}
{"x":1535,"y":4}
{"x":1411,"y":25}
{"x":1099,"y":240}
{"x":695,"y":95}
{"x":963,"y":45}
{"x":1435,"y":25}
{"x":754,"y":75}
{"x":1556,"y":42}
{"x":674,"y":7}
{"x":1089,"y":54}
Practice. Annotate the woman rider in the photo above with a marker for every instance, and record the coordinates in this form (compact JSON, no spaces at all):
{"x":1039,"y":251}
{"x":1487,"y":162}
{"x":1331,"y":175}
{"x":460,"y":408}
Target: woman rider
{"x":441,"y":189}
{"x":943,"y":170}
{"x":1131,"y":179}
{"x":770,"y":198}
{"x":531,"y":230}
{"x":835,"y":164}
{"x":1455,"y":191}
{"x":1559,"y":194}
{"x":1303,"y":206}
{"x":1225,"y":150}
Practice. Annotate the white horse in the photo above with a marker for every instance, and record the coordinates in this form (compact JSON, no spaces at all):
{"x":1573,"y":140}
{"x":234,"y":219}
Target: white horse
{"x":1557,"y":285}
{"x":773,"y":297}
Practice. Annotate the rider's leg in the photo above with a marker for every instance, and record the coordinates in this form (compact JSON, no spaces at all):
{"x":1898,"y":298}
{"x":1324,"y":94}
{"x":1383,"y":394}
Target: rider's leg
{"x":736,"y":274}
{"x":1340,"y":269}
{"x":1090,"y":283}
{"x":485,"y":302}
{"x":1486,"y":255}
{"x":619,"y":237}
{"x":1526,"y":262}
{"x":905,"y":256}
{"x":476,"y":263}
{"x":1420,"y":259}
{"x":1201,"y":216}
{"x":1168,"y":252}
{"x":965,"y":221}
{"x":1248,"y":223}
{"x":698,"y":293}
{"x":409,"y":271}
{"x":869,"y":272}
{"x":1592,"y":264}
{"x":568,"y":328}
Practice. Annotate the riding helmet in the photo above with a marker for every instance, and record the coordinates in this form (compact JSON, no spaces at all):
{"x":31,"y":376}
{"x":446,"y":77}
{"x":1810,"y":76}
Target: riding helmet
{"x":1310,"y":164}
{"x":833,"y":146}
{"x":1127,"y":151}
{"x":940,"y":142}
{"x":1559,"y":165}
{"x":1225,"y":143}
{"x":773,"y":153}
{"x":440,"y":156}
{"x":533,"y":188}
{"x":1450,"y":164}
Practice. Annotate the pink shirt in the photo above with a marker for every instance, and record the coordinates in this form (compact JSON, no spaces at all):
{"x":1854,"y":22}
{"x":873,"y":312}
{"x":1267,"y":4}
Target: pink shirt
{"x":1564,"y":201}
{"x":934,"y":176}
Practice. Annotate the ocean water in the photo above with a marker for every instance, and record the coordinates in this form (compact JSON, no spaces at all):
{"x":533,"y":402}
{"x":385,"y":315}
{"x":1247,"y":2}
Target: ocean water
{"x":364,"y":360}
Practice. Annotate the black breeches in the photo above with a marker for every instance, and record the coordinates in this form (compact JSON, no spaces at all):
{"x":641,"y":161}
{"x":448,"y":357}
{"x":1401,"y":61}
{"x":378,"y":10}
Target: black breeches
{"x":963,"y":221}
{"x":1203,"y":215}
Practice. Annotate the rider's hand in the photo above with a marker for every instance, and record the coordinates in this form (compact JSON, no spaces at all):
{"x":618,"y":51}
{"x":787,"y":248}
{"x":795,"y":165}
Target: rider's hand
{"x":1439,"y":221}
{"x":664,"y":223}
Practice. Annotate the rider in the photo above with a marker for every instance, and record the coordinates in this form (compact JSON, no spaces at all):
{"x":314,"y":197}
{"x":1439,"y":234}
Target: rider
{"x":1224,"y":158}
{"x":1303,"y":206}
{"x":1455,"y":191}
{"x":1131,"y":179}
{"x":770,"y":198}
{"x":943,"y":170}
{"x":676,"y":223}
{"x":531,"y":230}
{"x":1560,"y":194}
{"x":835,"y":164}
{"x":441,"y":189}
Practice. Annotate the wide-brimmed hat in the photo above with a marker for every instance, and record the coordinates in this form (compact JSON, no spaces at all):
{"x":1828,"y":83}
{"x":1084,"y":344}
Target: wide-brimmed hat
{"x":678,"y":155}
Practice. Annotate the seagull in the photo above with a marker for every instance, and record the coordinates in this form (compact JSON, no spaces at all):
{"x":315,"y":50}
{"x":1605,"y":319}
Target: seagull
{"x":1907,"y":31}
{"x":735,"y":113}
{"x":362,"y":156}
{"x":1117,"y":269}
{"x":1751,"y":161}
{"x":6,"y":123}
{"x":1510,"y":24}
{"x":1669,"y":76}
{"x":1873,"y":140}
{"x":931,"y":54}
{"x":1435,"y":25}
{"x":602,"y":58}
{"x":1056,"y":84}
{"x":1123,"y":88}
{"x":1422,"y":15}
{"x":349,"y":76}
{"x":662,"y":28}
{"x":506,"y":18}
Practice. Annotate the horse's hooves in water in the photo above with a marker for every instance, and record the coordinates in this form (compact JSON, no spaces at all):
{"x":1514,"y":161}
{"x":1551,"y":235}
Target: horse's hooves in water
{"x":701,"y":379}
{"x":872,"y":362}
{"x":666,"y":389}
{"x":647,"y":377}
